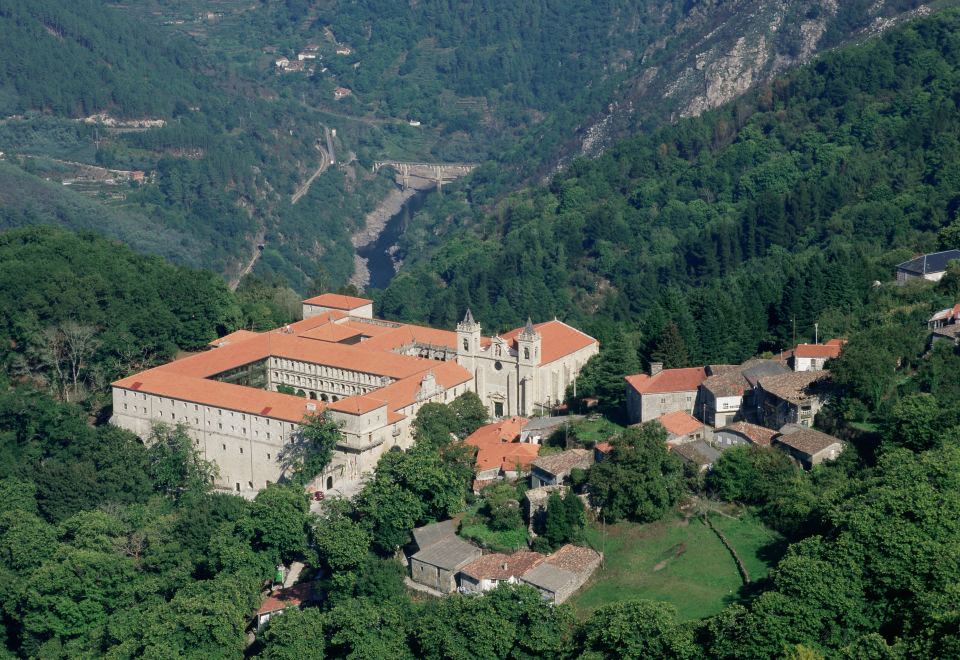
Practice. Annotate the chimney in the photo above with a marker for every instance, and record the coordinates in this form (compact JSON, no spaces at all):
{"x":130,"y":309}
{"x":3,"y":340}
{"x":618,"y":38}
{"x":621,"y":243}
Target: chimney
{"x":655,"y":368}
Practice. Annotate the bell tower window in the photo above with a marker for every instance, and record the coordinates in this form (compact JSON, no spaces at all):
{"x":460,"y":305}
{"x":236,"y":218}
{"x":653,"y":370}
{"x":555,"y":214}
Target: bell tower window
{"x":466,"y":344}
{"x":526,"y":353}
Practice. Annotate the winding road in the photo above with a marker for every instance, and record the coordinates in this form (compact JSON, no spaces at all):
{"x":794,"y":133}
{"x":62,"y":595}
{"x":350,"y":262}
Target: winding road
{"x":328,"y":157}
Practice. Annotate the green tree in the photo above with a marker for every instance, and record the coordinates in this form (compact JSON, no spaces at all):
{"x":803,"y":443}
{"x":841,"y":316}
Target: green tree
{"x":278,"y":519}
{"x":637,"y":629}
{"x":297,"y":635}
{"x":175,"y":465}
{"x":342,"y":544}
{"x":670,"y":348}
{"x":640,"y":480}
{"x":916,"y":422}
{"x":311,"y":451}
{"x":602,"y":375}
{"x":470,"y":413}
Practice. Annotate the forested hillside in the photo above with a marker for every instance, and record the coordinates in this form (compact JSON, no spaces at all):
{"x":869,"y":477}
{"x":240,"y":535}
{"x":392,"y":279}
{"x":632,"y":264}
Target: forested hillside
{"x":786,"y":205}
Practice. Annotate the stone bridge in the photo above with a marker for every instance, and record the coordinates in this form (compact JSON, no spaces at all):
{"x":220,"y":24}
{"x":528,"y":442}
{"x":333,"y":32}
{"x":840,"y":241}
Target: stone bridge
{"x":423,"y":176}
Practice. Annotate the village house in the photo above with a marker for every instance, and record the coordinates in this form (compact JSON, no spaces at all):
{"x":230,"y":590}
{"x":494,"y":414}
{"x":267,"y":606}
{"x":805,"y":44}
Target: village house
{"x":344,"y":50}
{"x":554,"y":469}
{"x":535,"y":505}
{"x":539,"y":429}
{"x":279,"y":600}
{"x":698,"y":453}
{"x":813,"y":357}
{"x":244,"y":401}
{"x":808,"y":446}
{"x":440,"y":556}
{"x":793,"y":398}
{"x":742,"y":433}
{"x":930,"y":266}
{"x":722,"y":393}
{"x":682,"y":427}
{"x":341,"y":92}
{"x":500,"y":454}
{"x":662,"y":391}
{"x":282,"y":62}
{"x":945,"y":325}
{"x":491,"y":570}
{"x":562,"y":573}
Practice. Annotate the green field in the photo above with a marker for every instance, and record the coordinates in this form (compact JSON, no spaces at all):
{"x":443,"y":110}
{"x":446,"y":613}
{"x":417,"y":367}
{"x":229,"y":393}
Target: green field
{"x":678,"y":561}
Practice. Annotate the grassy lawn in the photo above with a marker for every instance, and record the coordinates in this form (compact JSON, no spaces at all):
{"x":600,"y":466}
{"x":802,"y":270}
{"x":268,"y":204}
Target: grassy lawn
{"x":595,"y":430}
{"x":680,"y":562}
{"x":474,"y":529}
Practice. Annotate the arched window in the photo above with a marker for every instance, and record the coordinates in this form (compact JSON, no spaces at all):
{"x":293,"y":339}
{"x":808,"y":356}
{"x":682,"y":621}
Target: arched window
{"x":466,"y":344}
{"x":526,"y":353}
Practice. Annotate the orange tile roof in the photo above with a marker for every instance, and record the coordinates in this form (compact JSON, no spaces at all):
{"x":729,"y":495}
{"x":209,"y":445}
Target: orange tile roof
{"x":497,"y":566}
{"x":337,"y":301}
{"x":557,"y":340}
{"x":604,"y":447}
{"x":162,"y":382}
{"x":281,"y":599}
{"x":758,"y":435}
{"x":827,"y":350}
{"x":496,"y":447}
{"x":506,"y":430}
{"x":668,"y":380}
{"x":232,"y":338}
{"x":679,"y":422}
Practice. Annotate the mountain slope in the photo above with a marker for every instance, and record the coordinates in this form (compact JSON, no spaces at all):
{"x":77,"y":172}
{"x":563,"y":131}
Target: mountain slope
{"x":783,"y":206}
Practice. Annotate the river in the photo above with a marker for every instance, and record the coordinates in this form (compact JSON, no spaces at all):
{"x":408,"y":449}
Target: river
{"x":380,"y":262}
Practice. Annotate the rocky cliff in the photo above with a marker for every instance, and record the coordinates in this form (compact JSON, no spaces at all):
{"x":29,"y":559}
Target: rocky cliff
{"x":722,"y":48}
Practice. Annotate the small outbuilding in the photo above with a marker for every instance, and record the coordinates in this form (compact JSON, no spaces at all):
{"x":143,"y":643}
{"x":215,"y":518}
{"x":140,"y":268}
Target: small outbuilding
{"x":440,"y":556}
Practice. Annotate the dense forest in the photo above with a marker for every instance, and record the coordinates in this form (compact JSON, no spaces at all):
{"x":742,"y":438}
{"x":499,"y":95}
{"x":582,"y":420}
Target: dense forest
{"x":714,"y":239}
{"x":784,"y":206}
{"x":112,"y":547}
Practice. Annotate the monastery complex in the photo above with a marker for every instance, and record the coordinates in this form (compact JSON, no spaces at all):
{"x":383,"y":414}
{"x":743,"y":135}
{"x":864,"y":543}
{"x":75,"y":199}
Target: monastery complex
{"x":371,"y":375}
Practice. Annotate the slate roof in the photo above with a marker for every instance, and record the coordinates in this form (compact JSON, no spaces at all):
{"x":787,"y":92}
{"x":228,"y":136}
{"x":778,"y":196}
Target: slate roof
{"x":549,"y":577}
{"x":761,"y":368}
{"x":429,"y":534}
{"x":933,"y":262}
{"x":448,"y":554}
{"x":697,"y":452}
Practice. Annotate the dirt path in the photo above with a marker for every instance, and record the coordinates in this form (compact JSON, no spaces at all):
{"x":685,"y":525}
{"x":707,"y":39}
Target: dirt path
{"x":302,"y":190}
{"x":257,"y":242}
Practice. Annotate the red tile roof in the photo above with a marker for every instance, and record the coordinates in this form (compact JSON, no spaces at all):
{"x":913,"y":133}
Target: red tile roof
{"x":557,"y":340}
{"x":281,"y":599}
{"x":337,"y":301}
{"x":496,"y":447}
{"x":499,"y":566}
{"x":669,"y":380}
{"x":679,"y":423}
{"x":827,"y":350}
{"x":758,"y":435}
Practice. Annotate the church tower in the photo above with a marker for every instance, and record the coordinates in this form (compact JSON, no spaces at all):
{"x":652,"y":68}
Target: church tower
{"x":468,"y":342}
{"x":529,"y":343}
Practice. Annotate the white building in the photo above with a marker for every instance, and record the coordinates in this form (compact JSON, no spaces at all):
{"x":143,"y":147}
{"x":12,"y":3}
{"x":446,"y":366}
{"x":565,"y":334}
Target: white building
{"x":243,"y":402}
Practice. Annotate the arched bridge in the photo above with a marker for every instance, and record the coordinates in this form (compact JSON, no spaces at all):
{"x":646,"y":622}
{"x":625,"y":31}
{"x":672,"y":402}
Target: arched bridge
{"x":422,"y":176}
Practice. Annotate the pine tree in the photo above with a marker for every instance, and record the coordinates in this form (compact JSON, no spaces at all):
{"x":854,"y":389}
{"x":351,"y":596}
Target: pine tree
{"x":670,"y":348}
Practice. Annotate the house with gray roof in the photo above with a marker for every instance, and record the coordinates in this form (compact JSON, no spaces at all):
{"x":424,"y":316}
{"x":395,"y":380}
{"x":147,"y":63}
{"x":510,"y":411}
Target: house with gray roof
{"x":553,"y":469}
{"x":441,"y":556}
{"x":560,"y":575}
{"x":930,"y":266}
{"x":808,"y":446}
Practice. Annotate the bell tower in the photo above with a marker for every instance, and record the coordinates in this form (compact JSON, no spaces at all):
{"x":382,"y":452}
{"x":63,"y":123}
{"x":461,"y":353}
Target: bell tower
{"x":468,"y":342}
{"x":529,"y":343}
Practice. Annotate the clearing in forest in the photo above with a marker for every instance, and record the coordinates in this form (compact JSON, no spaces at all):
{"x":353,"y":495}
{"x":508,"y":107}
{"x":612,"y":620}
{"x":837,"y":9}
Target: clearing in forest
{"x":679,"y":561}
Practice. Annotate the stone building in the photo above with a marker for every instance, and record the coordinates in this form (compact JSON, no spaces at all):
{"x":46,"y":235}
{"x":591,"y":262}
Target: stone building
{"x":793,"y":398}
{"x":663,"y":391}
{"x":440,"y":556}
{"x":808,"y":446}
{"x":525,"y":371}
{"x":244,"y":401}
